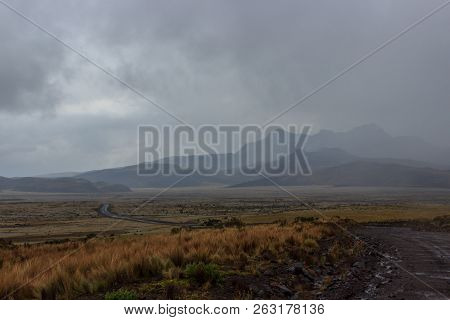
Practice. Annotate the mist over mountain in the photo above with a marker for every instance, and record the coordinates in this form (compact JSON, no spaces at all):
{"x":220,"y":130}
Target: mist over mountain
{"x":59,"y":175}
{"x":129,"y":176}
{"x":363,"y":156}
{"x":366,"y":141}
{"x":371,"y":141}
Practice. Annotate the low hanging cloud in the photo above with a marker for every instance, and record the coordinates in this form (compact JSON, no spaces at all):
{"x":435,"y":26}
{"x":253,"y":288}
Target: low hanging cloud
{"x":215,"y":61}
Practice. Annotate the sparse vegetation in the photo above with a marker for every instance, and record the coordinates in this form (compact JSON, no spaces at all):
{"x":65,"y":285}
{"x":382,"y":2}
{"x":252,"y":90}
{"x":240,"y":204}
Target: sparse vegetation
{"x":62,"y":220}
{"x":121,"y":294}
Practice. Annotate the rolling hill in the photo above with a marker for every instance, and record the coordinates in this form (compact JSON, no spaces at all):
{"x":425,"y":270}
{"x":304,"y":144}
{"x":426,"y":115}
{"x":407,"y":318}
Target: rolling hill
{"x":128,"y":175}
{"x":59,"y":185}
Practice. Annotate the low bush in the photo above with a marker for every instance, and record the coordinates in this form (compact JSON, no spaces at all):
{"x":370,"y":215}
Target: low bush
{"x":310,"y":245}
{"x":305,"y":219}
{"x":202,"y":273}
{"x":234,"y":222}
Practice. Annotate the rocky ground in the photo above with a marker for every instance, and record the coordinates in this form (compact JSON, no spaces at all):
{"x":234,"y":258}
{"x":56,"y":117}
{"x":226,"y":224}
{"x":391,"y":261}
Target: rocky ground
{"x":415,"y":265}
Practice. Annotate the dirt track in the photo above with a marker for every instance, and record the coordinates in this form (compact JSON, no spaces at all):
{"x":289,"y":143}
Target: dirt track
{"x":420,"y":260}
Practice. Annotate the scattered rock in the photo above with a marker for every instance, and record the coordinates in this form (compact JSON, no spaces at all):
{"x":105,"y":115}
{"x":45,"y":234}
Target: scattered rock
{"x":299,"y":269}
{"x":269,"y":273}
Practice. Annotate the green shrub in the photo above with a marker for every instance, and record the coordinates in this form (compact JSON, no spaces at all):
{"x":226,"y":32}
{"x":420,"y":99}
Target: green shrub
{"x":202,"y":273}
{"x":310,"y":245}
{"x":215,"y":223}
{"x":174,"y":289}
{"x":121,"y":294}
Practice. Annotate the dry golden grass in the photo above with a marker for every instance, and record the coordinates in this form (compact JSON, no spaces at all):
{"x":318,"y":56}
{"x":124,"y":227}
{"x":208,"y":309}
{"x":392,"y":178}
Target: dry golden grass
{"x":359,"y":213}
{"x":100,"y":264}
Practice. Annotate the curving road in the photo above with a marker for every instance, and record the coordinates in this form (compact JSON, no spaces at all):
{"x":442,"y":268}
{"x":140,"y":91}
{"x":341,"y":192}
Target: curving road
{"x":104,"y":211}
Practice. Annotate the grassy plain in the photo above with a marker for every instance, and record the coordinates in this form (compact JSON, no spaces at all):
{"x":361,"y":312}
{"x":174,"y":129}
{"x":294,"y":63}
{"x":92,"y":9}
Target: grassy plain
{"x":58,"y":246}
{"x":195,"y":259}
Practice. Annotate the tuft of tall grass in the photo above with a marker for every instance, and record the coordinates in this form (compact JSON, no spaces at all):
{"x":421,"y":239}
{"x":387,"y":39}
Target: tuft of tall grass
{"x":202,"y":273}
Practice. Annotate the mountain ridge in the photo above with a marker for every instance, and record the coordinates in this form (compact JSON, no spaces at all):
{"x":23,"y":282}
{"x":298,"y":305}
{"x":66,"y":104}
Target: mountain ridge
{"x":327,"y":149}
{"x":365,"y":173}
{"x":58,"y":185}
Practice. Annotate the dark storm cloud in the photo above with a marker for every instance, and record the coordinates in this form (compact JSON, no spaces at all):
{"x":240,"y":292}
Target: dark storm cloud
{"x":201,"y":57}
{"x":211,"y":62}
{"x":30,"y":65}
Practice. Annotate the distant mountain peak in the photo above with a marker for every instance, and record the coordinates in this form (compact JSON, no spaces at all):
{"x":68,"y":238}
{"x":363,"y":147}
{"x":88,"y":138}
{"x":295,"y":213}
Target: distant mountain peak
{"x":372,"y":141}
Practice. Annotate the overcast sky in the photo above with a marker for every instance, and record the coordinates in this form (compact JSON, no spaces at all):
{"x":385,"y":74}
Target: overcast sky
{"x":211,"y":62}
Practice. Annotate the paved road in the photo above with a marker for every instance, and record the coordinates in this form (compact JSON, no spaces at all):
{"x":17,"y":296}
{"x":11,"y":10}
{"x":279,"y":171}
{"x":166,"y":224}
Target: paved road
{"x":425,"y":255}
{"x":104,"y":211}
